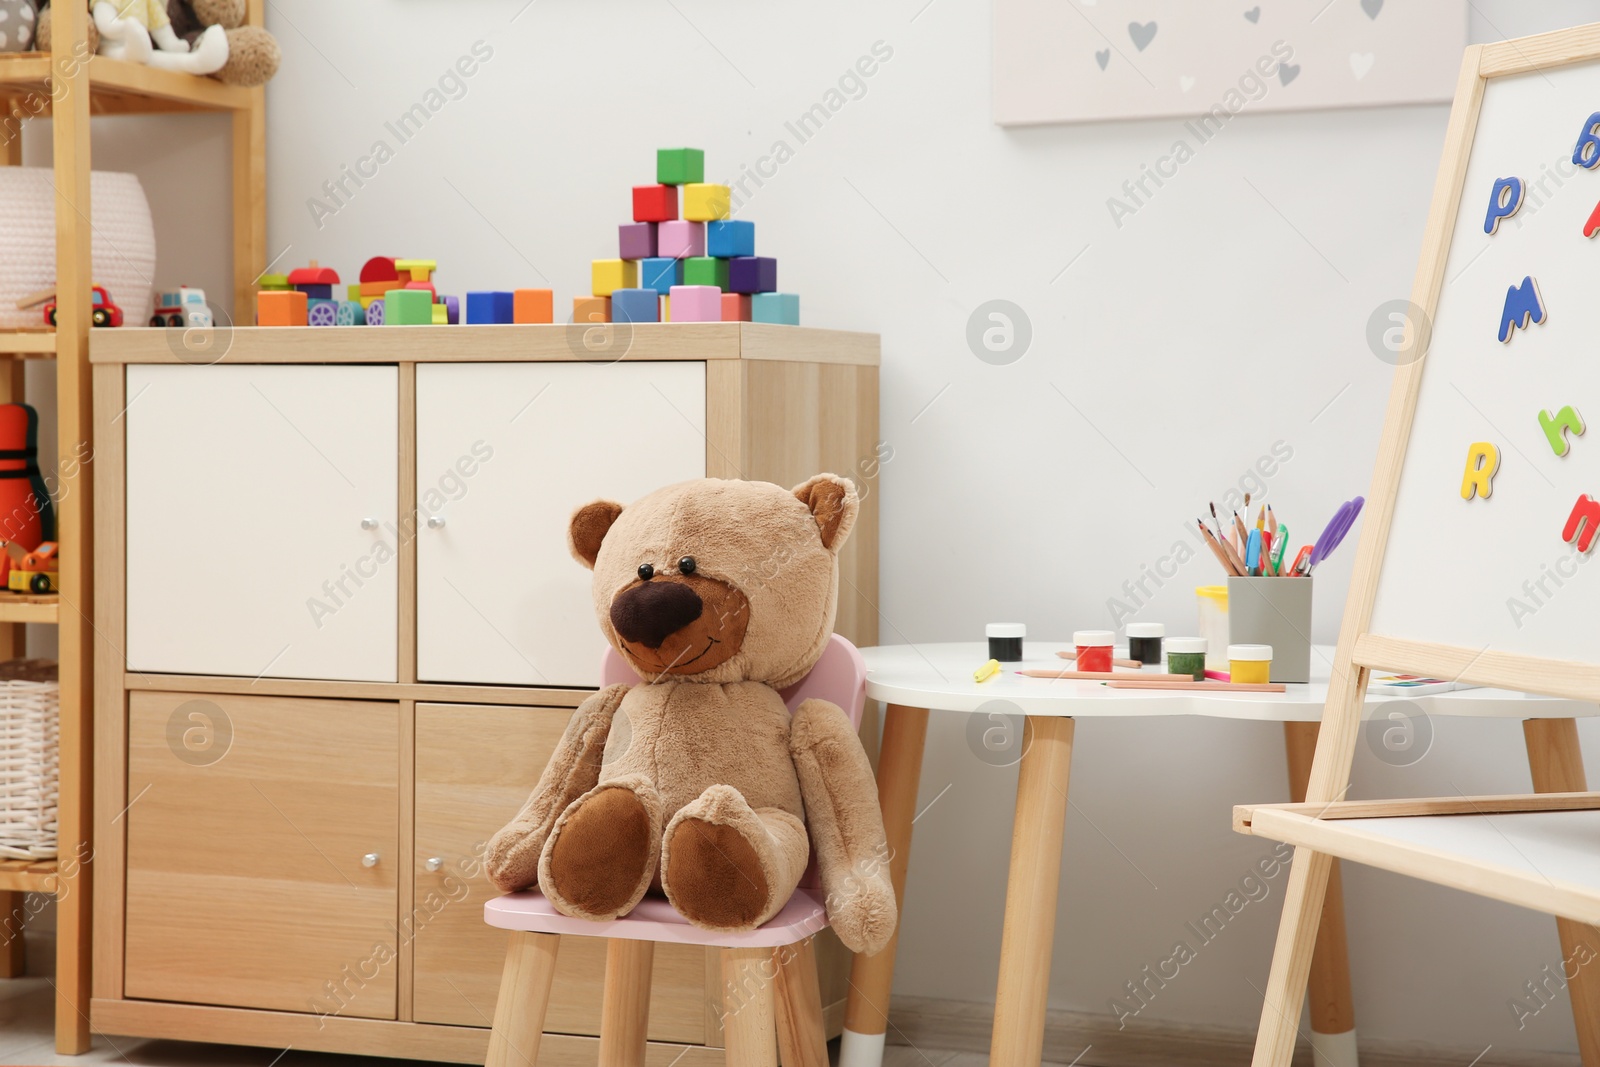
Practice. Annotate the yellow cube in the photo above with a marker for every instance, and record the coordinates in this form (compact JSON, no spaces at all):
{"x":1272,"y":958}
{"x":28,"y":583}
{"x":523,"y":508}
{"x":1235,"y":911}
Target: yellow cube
{"x":609,"y":275}
{"x":705,"y":203}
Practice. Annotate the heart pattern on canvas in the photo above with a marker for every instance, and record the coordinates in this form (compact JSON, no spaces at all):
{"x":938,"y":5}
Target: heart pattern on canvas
{"x":1103,"y":57}
{"x":1254,"y":14}
{"x":1142,"y":34}
{"x":1288,"y":73}
{"x":1372,"y":7}
{"x":1361,"y":64}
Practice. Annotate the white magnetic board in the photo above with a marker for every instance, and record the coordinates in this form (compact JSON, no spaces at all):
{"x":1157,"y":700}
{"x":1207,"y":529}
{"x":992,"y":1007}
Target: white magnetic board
{"x":1495,"y":573}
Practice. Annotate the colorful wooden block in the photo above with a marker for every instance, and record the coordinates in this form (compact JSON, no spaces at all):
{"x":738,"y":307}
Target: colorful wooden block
{"x":635,"y":305}
{"x":441,"y":315}
{"x":491,"y":307}
{"x":696,"y":303}
{"x":591,"y":309}
{"x":682,"y":239}
{"x":735,"y":307}
{"x":636,"y":240}
{"x":704,"y":203}
{"x":1523,"y":305}
{"x":532,"y":306}
{"x":680,"y":166}
{"x":730,"y":237}
{"x":660,"y":274}
{"x":781,"y":308}
{"x":753,"y":274}
{"x":655,"y":203}
{"x":1483,"y":459}
{"x":706,"y":270}
{"x":280,"y":307}
{"x":407,"y":307}
{"x":606,"y":275}
{"x":666,"y":309}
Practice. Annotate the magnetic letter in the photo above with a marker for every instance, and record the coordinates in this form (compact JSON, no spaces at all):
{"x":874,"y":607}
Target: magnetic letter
{"x":1523,"y":305}
{"x":1555,"y":428}
{"x":1504,"y":200}
{"x":1587,"y":152}
{"x":1483,"y":459}
{"x":1592,"y":227}
{"x":1583,"y":524}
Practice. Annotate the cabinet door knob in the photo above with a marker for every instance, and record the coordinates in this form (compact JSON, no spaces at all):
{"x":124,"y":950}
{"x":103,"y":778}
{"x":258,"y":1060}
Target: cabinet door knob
{"x":435,"y":521}
{"x":434,"y":863}
{"x":369,"y":524}
{"x":369,"y":860}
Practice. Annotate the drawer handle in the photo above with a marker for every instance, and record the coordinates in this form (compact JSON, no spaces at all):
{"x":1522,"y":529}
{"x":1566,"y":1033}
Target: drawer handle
{"x":435,"y":522}
{"x":369,"y":524}
{"x":434,"y":863}
{"x":369,"y":860}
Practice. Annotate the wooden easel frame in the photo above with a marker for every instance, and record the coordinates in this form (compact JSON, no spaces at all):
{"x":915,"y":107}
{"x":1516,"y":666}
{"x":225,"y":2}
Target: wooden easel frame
{"x":1327,"y":827}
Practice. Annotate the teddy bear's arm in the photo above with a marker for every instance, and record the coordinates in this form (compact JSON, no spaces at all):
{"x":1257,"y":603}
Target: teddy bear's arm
{"x":841,"y":799}
{"x":512,"y":860}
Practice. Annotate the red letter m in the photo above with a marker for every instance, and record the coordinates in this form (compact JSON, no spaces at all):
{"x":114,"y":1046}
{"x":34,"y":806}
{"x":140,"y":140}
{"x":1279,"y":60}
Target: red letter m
{"x":1583,"y":525}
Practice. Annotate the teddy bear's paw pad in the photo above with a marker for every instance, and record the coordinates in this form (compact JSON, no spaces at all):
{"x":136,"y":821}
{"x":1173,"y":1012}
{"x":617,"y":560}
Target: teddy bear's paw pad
{"x":714,"y":875}
{"x":602,"y":855}
{"x":863,"y":914}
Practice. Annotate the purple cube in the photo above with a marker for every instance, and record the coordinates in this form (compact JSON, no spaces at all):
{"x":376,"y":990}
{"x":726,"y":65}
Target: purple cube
{"x":752,"y":274}
{"x":636,"y":240}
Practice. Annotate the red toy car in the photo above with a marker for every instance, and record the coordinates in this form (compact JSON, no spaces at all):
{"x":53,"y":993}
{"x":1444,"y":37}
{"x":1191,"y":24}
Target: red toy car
{"x":105,"y":312}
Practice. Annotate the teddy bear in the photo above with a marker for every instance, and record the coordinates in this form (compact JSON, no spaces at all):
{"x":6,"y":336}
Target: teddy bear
{"x":195,"y":36}
{"x":697,"y":782}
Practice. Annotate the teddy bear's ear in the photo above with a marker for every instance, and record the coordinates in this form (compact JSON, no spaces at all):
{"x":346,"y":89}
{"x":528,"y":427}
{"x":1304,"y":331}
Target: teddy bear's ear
{"x":589,"y":526}
{"x":833,"y":503}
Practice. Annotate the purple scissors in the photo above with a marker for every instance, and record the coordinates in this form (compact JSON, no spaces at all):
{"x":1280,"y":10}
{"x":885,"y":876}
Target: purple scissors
{"x":1337,"y":527}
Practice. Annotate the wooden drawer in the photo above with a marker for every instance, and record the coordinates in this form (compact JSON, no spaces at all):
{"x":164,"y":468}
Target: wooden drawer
{"x":474,"y":768}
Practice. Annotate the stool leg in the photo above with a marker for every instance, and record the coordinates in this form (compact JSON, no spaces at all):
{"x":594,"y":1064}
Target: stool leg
{"x":625,"y":1009}
{"x":524,"y":996}
{"x":1556,"y":763}
{"x":747,"y":1000}
{"x":802,"y":1041}
{"x":13,"y":956}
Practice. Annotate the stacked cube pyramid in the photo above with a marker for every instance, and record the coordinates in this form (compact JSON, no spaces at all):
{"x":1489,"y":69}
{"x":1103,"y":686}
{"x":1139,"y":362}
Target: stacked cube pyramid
{"x":685,"y":262}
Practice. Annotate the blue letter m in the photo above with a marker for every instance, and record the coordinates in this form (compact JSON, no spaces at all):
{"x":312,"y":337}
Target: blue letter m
{"x":1523,"y":305}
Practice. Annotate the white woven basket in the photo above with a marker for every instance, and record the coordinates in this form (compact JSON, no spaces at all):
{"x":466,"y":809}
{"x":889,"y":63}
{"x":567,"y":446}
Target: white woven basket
{"x":30,"y":768}
{"x":124,"y":242}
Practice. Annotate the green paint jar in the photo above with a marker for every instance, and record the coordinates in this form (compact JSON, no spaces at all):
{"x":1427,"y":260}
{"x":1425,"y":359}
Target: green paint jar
{"x":1187,"y":655}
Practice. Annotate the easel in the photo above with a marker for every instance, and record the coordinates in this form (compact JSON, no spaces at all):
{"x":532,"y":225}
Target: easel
{"x":1328,"y":827}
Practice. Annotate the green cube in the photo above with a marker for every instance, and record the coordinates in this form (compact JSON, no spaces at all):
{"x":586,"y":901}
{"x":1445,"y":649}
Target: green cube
{"x":408,"y":307}
{"x":680,"y":166}
{"x":706,"y":270}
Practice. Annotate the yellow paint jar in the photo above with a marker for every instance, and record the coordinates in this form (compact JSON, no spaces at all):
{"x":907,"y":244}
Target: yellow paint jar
{"x":1250,"y":664}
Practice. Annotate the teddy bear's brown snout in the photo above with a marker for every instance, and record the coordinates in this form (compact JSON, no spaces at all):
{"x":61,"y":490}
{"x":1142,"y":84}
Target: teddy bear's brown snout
{"x":680,"y":625}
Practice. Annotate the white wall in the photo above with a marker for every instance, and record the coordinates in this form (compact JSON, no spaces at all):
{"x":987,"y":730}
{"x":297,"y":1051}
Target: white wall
{"x":1225,"y":316}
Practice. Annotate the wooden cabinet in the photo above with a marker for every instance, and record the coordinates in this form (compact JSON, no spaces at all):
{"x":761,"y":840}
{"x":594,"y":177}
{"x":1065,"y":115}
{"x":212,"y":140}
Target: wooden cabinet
{"x":506,"y":452}
{"x":261,"y":514}
{"x":263,"y":852}
{"x":475,"y":766}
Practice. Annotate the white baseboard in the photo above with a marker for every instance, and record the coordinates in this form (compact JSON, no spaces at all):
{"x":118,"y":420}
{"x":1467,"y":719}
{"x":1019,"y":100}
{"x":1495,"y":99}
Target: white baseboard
{"x":927,"y":1022}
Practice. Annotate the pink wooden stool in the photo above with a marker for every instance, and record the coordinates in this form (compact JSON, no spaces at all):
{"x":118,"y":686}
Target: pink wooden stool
{"x":769,"y":975}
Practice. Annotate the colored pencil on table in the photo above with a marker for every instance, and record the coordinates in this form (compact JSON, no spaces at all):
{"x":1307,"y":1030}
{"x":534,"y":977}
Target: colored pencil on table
{"x":1100,"y":676}
{"x":1072,"y":653}
{"x":1191,"y":684}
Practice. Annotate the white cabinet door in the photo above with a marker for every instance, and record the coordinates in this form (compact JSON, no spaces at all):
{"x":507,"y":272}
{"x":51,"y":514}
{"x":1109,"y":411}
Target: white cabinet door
{"x":261,"y":520}
{"x":506,"y":452}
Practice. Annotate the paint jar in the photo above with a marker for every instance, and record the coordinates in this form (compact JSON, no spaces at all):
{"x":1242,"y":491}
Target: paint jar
{"x":1094,"y":649}
{"x":1144,"y":642}
{"x":1250,"y":664}
{"x":1005,"y":640}
{"x":1213,"y":601}
{"x":1187,"y":655}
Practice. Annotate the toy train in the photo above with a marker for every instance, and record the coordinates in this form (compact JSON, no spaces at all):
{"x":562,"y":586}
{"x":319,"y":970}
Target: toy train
{"x":305,"y":297}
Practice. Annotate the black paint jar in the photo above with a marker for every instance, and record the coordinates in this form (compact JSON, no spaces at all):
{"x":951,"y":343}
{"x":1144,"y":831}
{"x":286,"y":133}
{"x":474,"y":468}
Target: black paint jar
{"x":1005,"y":640}
{"x":1144,"y":641}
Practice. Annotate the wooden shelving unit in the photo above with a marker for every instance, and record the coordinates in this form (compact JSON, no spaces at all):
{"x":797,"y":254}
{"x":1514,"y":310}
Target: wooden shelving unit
{"x":70,"y":86}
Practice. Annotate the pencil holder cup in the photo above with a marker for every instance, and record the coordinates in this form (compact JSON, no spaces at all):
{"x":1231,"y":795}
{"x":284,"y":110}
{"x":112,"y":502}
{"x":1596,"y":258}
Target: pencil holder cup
{"x":1276,"y":612}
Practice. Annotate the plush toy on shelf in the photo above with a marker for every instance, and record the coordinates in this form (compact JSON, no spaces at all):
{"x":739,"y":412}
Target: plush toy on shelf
{"x":698,"y":781}
{"x":195,"y":36}
{"x":18,"y":25}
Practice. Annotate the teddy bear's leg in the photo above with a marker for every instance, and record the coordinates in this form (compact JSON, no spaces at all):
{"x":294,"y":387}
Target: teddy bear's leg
{"x":602,"y":852}
{"x":727,"y":866}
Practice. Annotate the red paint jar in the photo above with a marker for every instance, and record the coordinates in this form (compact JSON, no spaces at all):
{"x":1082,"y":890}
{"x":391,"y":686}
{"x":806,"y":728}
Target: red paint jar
{"x":1094,"y":649}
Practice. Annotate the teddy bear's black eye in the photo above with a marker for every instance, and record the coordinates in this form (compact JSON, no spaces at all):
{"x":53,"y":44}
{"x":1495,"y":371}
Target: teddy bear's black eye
{"x":646,"y":571}
{"x":686,"y":565}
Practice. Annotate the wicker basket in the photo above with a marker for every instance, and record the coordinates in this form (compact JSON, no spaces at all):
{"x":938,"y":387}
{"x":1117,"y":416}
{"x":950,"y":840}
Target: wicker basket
{"x":30,"y":763}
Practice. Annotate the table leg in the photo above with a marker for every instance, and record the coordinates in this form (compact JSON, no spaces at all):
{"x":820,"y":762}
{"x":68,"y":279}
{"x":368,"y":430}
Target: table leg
{"x":1032,"y":889}
{"x":1556,"y":763}
{"x":866,"y":1012}
{"x":1333,"y":1017}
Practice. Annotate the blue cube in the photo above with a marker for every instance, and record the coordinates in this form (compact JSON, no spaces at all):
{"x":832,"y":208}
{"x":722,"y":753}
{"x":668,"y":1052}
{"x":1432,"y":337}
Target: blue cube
{"x":752,"y":274}
{"x":781,"y":308}
{"x":730,"y":237}
{"x":660,"y":273}
{"x":635,"y":305}
{"x":490,"y":307}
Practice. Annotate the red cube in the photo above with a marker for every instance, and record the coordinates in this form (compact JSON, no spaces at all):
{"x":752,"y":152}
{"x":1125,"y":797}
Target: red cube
{"x":735,"y":307}
{"x":655,"y":203}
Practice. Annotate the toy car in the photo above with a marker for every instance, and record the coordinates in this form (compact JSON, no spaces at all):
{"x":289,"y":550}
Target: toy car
{"x":37,"y":571}
{"x":105,"y":312}
{"x":183,"y":306}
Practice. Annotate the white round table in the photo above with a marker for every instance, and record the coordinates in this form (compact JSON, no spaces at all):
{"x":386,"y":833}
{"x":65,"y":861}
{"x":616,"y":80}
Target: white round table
{"x":912,"y":679}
